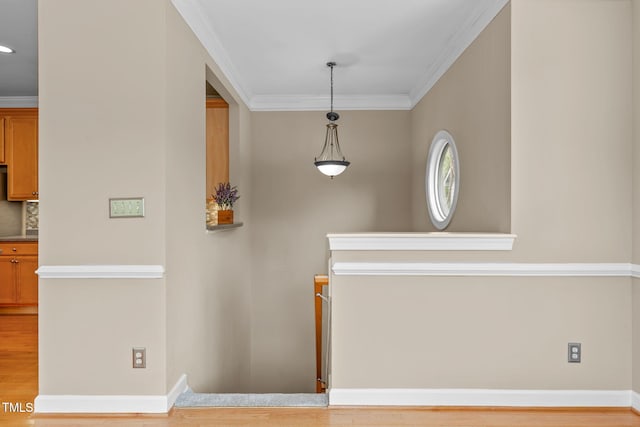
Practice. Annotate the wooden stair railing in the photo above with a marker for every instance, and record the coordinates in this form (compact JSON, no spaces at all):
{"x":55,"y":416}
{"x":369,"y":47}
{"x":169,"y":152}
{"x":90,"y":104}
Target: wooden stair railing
{"x":319,"y":281}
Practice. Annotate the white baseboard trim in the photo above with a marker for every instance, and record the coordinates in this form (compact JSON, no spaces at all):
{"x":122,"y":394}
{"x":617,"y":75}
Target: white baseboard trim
{"x":83,"y":404}
{"x":180,"y":387}
{"x":635,"y":400}
{"x":480,"y":397}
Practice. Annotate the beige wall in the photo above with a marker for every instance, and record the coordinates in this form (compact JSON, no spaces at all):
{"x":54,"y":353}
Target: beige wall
{"x":571,"y":130}
{"x":636,"y":191}
{"x":484,"y":333}
{"x":103,"y":318}
{"x":636,"y":129}
{"x":294,"y":206}
{"x":570,"y":202}
{"x":122,"y":114}
{"x":235,"y":311}
{"x":208,"y":287}
{"x":472,"y":102}
{"x":101,"y":112}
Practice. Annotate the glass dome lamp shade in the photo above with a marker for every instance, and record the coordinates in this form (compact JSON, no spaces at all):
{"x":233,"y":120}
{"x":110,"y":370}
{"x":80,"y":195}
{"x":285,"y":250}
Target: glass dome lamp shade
{"x":331,"y":162}
{"x":332,"y":168}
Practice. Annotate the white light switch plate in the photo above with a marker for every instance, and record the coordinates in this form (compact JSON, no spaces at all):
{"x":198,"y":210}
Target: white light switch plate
{"x":130,"y":207}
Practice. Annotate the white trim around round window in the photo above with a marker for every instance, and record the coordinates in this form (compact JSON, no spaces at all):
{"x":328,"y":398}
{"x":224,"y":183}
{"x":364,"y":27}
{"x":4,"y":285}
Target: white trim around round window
{"x":442,"y":179}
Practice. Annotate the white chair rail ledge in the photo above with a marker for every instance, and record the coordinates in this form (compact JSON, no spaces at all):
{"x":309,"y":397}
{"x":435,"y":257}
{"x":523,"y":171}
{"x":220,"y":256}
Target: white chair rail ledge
{"x":484,"y":269}
{"x":101,"y":271}
{"x":437,"y":241}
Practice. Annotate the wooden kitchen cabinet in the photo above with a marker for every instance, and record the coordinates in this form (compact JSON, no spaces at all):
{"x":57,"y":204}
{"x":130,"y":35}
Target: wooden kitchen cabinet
{"x":7,"y":282}
{"x":18,"y":279}
{"x":21,"y":152}
{"x":217,"y":136}
{"x":27,"y":281}
{"x":2,"y":149}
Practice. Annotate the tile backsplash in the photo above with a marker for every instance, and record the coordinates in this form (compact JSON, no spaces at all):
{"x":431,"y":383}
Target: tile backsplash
{"x":31,"y":217}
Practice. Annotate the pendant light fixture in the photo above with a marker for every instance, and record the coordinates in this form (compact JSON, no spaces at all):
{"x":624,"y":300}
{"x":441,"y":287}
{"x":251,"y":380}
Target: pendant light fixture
{"x":331,"y":162}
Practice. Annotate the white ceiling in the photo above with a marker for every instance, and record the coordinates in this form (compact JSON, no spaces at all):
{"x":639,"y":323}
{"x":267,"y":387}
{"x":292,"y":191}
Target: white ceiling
{"x":388,"y":53}
{"x":274,"y":52}
{"x":18,"y":30}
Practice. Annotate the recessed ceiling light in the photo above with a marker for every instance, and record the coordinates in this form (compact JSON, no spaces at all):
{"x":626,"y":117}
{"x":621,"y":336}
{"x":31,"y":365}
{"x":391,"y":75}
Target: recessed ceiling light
{"x":4,"y":49}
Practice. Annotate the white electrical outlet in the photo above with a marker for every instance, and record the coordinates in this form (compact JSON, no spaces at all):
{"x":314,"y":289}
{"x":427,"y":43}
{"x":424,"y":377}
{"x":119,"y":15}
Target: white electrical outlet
{"x":574,"y":352}
{"x":139,"y":357}
{"x":130,"y":207}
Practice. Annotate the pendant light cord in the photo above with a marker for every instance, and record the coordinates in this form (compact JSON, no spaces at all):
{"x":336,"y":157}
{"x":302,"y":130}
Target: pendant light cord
{"x":331,"y":64}
{"x":332,"y":116}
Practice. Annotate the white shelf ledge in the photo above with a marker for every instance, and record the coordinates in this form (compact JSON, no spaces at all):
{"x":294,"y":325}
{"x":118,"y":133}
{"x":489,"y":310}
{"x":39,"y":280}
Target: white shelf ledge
{"x":222,"y":227}
{"x":439,"y":241}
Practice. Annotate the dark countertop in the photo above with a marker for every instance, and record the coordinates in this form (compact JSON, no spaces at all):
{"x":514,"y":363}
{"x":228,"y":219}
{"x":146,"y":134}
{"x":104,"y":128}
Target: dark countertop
{"x":19,"y":238}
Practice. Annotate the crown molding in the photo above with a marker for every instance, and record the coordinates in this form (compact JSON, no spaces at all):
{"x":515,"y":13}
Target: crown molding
{"x":18,"y":101}
{"x":193,"y":16}
{"x":468,"y":33}
{"x":320,"y":103}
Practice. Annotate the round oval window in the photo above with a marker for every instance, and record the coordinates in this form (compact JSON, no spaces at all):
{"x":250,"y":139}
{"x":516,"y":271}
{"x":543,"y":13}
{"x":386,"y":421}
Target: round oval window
{"x":442,"y":179}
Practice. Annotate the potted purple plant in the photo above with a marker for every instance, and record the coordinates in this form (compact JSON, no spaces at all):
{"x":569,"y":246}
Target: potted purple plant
{"x":225,"y":196}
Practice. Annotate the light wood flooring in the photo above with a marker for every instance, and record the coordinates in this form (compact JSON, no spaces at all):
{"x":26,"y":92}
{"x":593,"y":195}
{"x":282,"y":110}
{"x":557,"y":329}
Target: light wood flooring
{"x":19,"y":384}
